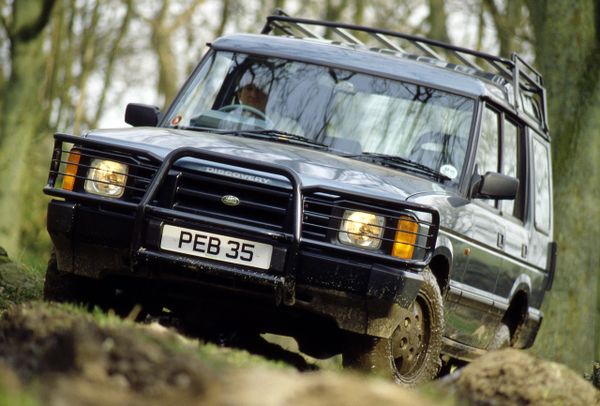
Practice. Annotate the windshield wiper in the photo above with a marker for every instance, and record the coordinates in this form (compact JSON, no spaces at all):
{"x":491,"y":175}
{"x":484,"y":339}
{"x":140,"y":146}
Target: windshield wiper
{"x":196,"y":128}
{"x":278,"y":136}
{"x":401,"y":163}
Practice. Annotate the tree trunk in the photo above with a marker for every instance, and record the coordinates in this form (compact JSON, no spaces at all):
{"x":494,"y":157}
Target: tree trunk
{"x":21,"y":107}
{"x":507,"y":23}
{"x":437,"y":21}
{"x":569,"y":59}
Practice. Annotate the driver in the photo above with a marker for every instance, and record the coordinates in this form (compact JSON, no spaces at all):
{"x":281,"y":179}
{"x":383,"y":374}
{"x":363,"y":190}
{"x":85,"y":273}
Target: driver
{"x":253,"y":88}
{"x":251,"y":95}
{"x":251,"y":99}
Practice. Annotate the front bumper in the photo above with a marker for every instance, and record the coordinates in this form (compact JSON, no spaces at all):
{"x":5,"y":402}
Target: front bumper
{"x":358,"y":295}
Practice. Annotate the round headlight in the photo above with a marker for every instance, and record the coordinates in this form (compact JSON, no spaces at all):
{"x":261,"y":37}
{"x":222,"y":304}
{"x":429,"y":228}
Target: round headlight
{"x":106,"y":178}
{"x":361,"y":229}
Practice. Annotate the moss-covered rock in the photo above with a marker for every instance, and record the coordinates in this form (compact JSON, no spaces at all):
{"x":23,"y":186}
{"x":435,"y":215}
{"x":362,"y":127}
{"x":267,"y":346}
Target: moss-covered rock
{"x":18,"y":283}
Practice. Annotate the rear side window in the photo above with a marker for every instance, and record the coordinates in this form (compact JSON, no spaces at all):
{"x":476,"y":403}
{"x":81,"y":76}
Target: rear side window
{"x":542,"y":185}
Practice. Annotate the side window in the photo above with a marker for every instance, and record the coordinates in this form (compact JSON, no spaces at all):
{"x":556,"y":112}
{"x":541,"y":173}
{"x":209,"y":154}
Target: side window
{"x":487,"y":149}
{"x":542,"y":186}
{"x":512,"y":141}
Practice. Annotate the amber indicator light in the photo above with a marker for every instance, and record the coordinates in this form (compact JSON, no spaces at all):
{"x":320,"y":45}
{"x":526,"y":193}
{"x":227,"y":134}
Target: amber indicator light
{"x":71,"y":169}
{"x":406,"y":237}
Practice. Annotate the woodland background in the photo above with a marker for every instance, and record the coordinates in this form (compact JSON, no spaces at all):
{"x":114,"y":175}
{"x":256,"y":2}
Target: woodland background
{"x":72,"y":65}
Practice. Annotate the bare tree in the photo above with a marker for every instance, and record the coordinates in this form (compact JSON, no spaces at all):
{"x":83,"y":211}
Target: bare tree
{"x":509,"y":21}
{"x":55,"y":49}
{"x":164,"y":24}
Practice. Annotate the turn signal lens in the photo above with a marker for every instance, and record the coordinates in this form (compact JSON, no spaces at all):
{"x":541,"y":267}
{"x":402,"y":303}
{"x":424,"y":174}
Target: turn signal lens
{"x":361,"y":229}
{"x":106,"y":178}
{"x":71,"y":169}
{"x":406,"y":237}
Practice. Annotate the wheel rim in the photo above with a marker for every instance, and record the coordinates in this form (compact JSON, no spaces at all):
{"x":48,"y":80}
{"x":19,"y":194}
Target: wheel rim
{"x":410,"y":340}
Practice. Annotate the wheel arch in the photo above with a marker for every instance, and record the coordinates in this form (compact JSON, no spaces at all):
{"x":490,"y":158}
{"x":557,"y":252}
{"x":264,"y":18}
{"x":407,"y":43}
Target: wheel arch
{"x":441,"y":263}
{"x":518,"y":306}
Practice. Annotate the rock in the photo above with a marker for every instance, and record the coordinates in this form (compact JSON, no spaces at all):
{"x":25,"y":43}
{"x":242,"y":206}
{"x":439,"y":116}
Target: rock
{"x":512,"y":377}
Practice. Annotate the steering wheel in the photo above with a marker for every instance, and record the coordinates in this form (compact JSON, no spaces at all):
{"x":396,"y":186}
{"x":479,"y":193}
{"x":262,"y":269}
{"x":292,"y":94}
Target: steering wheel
{"x":245,"y":107}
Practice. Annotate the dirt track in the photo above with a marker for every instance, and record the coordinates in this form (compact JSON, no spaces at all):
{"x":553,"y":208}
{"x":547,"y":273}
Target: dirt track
{"x":65,"y":357}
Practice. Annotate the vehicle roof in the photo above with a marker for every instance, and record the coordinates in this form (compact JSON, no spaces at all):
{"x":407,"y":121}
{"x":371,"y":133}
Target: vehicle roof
{"x":417,"y":69}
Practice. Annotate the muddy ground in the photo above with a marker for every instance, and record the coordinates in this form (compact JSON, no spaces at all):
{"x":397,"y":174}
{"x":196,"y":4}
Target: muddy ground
{"x":62,"y":355}
{"x":58,"y":355}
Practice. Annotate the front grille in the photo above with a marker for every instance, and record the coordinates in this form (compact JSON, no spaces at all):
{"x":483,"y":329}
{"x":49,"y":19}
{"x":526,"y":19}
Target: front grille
{"x":260,"y":205}
{"x":317,"y":220}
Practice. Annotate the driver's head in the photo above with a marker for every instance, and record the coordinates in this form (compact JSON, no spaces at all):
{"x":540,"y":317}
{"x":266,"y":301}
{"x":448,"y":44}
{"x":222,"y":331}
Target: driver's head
{"x":253,"y":87}
{"x":252,"y":95}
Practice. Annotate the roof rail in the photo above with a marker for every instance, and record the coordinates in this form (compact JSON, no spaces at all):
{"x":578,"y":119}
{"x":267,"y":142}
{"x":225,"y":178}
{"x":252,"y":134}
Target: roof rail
{"x":523,"y":77}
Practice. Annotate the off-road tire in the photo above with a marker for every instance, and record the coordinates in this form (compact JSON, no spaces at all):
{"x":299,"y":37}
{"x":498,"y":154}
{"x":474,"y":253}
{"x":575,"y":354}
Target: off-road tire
{"x":65,"y":287}
{"x":62,"y":286}
{"x":412,"y":354}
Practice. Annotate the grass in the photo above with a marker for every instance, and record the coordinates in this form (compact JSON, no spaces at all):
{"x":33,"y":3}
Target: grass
{"x":220,"y":357}
{"x":15,"y":397}
{"x":215,"y":356}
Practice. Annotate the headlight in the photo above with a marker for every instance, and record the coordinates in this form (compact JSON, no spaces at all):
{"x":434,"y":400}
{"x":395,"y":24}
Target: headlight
{"x":405,"y":238}
{"x":361,"y":229}
{"x":106,"y":178}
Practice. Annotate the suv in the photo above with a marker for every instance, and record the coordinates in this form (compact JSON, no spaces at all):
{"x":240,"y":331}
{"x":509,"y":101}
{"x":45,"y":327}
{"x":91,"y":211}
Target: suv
{"x":391,"y":203}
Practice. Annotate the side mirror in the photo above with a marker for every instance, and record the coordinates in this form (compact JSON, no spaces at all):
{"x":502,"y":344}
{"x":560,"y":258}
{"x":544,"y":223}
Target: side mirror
{"x":142,"y":115}
{"x":494,"y":185}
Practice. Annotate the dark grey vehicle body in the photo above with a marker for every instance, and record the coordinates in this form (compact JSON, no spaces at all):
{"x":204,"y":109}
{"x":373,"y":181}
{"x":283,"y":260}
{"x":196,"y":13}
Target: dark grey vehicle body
{"x":493,"y":268}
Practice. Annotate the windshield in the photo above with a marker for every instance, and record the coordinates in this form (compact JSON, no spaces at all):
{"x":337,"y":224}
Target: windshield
{"x":351,"y":113}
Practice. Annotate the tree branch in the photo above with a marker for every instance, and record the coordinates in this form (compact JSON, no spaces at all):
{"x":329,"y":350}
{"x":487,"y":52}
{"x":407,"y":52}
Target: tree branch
{"x":137,"y":14}
{"x":4,"y":24}
{"x":225,"y":8}
{"x":437,"y":19}
{"x":183,"y":17}
{"x":30,"y":31}
{"x":114,"y":52}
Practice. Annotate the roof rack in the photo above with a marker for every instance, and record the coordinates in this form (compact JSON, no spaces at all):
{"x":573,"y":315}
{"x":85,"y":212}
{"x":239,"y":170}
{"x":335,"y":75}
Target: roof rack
{"x":523,"y":77}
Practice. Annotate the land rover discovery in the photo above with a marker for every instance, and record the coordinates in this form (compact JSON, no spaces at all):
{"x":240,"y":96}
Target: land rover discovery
{"x":367,"y":192}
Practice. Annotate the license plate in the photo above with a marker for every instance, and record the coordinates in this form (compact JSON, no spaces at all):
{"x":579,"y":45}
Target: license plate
{"x":216,"y":246}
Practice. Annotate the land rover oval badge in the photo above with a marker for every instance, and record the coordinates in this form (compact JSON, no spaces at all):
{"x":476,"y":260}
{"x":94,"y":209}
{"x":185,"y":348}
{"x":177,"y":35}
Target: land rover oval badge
{"x":230,"y":200}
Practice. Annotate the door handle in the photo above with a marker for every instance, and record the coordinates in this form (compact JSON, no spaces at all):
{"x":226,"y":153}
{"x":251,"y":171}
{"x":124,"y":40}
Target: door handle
{"x":500,"y":241}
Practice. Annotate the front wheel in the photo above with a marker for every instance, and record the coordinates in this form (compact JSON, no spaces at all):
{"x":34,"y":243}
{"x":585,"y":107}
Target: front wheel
{"x":65,"y":287}
{"x":412,"y":354}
